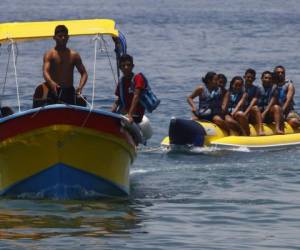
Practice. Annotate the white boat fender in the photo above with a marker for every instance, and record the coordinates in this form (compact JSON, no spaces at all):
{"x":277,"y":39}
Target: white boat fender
{"x":133,"y":129}
{"x":146,"y":128}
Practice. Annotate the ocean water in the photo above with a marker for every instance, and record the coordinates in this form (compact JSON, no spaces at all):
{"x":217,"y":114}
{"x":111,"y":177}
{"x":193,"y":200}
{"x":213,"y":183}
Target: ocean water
{"x":203,"y":200}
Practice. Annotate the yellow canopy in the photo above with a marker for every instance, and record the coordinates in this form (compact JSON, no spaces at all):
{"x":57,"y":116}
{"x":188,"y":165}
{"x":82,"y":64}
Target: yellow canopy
{"x":41,"y":30}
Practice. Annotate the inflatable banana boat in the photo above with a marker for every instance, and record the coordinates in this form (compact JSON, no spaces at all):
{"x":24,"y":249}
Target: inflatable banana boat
{"x":184,"y":132}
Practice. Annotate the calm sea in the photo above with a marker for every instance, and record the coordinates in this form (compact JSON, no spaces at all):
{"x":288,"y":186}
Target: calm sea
{"x":205,"y":200}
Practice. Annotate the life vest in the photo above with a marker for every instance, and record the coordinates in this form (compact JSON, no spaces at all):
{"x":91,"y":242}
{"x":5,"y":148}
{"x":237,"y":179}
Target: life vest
{"x":147,"y":98}
{"x":251,"y":92}
{"x":265,"y":96}
{"x":234,"y":99}
{"x":210,"y":100}
{"x":282,"y":94}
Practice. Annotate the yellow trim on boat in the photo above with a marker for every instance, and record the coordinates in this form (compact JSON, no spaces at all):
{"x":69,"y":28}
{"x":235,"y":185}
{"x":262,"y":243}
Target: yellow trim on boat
{"x":258,"y":141}
{"x":101,"y":154}
{"x":20,"y":31}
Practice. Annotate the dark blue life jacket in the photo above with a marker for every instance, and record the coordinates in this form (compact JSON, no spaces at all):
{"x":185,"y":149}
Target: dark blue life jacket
{"x":265,"y":96}
{"x":282,"y":94}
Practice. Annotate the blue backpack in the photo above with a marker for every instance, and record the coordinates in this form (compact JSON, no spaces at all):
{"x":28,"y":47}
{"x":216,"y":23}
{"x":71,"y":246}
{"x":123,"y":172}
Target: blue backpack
{"x":147,"y":99}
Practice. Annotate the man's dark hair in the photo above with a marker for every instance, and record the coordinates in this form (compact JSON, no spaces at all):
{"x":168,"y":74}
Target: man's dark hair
{"x":61,"y":29}
{"x":279,"y":67}
{"x":125,"y":58}
{"x":267,"y":72}
{"x":236,"y":78}
{"x":208,"y":77}
{"x":250,"y":71}
{"x":223,"y":77}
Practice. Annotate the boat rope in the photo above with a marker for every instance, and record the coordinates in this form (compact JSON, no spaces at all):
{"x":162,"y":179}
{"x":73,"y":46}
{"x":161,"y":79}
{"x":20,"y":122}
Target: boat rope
{"x":13,"y":45}
{"x":5,"y":77}
{"x":104,"y":43}
{"x":86,"y":119}
{"x":96,"y":40}
{"x":85,"y":100}
{"x":109,"y":60}
{"x":14,"y":54}
{"x":146,"y":149}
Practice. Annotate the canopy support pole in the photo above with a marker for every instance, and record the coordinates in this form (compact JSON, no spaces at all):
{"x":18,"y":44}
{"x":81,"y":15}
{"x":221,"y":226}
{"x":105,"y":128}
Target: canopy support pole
{"x":109,"y":61}
{"x":96,"y":39}
{"x":5,"y":77}
{"x":15,"y":71}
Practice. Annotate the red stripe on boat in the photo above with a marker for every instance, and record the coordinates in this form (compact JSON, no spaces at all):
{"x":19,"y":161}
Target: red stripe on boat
{"x":65,"y":116}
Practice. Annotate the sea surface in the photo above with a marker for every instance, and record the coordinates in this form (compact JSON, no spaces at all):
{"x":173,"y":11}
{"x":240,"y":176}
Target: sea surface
{"x":202,"y":200}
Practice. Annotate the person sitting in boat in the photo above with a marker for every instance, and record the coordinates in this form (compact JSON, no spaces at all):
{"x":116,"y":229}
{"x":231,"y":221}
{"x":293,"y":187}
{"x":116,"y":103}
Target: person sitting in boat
{"x":234,"y":102}
{"x":210,"y":101}
{"x":58,"y":68}
{"x":251,"y":109}
{"x":286,"y":92}
{"x":128,"y":91}
{"x":267,"y":102}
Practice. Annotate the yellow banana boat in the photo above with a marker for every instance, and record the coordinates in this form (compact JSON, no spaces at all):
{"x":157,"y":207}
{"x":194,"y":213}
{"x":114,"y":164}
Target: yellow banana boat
{"x":184,"y":132}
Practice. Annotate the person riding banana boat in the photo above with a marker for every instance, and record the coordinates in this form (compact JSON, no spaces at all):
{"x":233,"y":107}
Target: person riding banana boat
{"x":234,"y":101}
{"x":251,"y":109}
{"x":268,"y":102}
{"x":210,"y":101}
{"x":286,"y":92}
{"x":246,"y":103}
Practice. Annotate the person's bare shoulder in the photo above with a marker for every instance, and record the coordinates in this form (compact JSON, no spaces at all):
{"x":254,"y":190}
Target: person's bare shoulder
{"x":199,"y":89}
{"x":74,"y":53}
{"x":50,"y":54}
{"x":75,"y":57}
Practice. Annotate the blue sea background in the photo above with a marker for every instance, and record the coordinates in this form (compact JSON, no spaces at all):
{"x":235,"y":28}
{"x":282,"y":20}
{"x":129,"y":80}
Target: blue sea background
{"x":205,"y":200}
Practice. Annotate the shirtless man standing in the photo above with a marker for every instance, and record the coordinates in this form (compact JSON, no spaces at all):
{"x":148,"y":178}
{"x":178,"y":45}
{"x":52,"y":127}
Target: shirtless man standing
{"x":58,"y":69}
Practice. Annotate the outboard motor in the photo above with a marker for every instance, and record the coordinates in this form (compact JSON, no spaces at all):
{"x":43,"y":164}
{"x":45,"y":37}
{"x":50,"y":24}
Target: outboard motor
{"x":186,"y":132}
